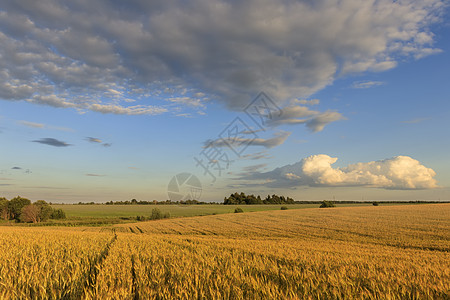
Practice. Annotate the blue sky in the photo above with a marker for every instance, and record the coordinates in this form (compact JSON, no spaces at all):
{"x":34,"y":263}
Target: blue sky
{"x":105,"y":101}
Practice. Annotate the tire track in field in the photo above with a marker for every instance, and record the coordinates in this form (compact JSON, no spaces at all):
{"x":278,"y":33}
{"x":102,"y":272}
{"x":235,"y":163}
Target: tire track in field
{"x":87,"y":283}
{"x":135,"y":287}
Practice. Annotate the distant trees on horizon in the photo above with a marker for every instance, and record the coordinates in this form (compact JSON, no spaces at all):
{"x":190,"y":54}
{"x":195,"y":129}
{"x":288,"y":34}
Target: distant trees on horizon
{"x":242,"y":198}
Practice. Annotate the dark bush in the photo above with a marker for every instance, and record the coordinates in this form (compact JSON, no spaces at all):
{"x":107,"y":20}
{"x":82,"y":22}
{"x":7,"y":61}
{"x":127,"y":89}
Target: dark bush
{"x":375,"y":203}
{"x":58,"y":214}
{"x":326,"y":204}
{"x":238,"y":210}
{"x":157,"y":214}
{"x":284,"y":208}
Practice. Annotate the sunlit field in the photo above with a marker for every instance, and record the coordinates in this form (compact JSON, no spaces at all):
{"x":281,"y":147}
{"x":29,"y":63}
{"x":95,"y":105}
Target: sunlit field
{"x":386,"y":252}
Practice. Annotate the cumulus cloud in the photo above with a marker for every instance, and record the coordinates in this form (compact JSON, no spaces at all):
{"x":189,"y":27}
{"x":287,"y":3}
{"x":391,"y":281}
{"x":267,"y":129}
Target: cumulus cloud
{"x":52,"y":142}
{"x":400,"y":172}
{"x":65,"y":54}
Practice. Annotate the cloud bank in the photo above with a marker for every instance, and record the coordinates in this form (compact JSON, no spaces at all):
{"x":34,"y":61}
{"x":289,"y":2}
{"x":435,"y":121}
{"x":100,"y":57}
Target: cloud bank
{"x":66,"y":54}
{"x":397,"y":173}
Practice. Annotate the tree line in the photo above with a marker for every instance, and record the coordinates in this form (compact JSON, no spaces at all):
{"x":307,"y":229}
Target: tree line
{"x":242,"y":198}
{"x":22,"y":210}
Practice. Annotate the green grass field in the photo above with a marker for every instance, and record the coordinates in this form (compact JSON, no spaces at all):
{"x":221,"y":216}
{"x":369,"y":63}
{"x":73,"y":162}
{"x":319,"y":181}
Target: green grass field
{"x":104,"y":215}
{"x":131,"y":211}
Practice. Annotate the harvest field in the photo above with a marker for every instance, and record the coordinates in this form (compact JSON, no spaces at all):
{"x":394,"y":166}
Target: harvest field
{"x":385,"y":252}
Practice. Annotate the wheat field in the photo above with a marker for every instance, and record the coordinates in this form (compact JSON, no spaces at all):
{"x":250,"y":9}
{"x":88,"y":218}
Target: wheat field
{"x":387,"y":252}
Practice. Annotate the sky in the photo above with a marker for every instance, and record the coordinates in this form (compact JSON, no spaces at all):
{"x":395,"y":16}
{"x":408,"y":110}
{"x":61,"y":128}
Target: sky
{"x":154,"y":100}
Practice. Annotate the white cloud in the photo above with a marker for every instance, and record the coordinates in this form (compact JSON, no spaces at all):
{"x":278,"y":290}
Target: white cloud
{"x":60,"y":52}
{"x":400,"y":172}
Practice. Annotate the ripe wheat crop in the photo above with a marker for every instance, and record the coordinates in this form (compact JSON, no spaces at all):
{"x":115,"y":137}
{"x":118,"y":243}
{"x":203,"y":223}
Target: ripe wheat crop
{"x":395,"y":252}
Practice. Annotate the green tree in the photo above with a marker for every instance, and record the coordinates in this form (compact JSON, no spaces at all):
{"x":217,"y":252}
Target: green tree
{"x":58,"y":214}
{"x":326,"y":203}
{"x":44,"y":210}
{"x":238,"y":210}
{"x":156,"y":214}
{"x":4,"y":209}
{"x":16,"y":205}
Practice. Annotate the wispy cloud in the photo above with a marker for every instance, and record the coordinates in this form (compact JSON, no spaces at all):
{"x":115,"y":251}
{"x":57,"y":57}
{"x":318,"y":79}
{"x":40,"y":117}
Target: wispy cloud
{"x":279,"y":138}
{"x":16,"y":168}
{"x":415,"y":121}
{"x":98,"y":141}
{"x":94,"y":175}
{"x":256,"y":156}
{"x":32,"y":124}
{"x":43,"y":126}
{"x":297,"y":114}
{"x":366,"y":84}
{"x":306,"y":102}
{"x":47,"y":187}
{"x":94,"y":140}
{"x":130,"y":110}
{"x":52,"y":142}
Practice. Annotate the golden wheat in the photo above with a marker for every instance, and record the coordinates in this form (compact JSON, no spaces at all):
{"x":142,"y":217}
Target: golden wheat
{"x":395,"y":252}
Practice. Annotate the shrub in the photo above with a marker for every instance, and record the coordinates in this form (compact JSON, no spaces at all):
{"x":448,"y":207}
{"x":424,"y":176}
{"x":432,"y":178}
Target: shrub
{"x":58,"y":214}
{"x":326,"y":204}
{"x":157,"y":214}
{"x":284,"y":208}
{"x":375,"y":203}
{"x":238,"y":210}
{"x":141,"y":218}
